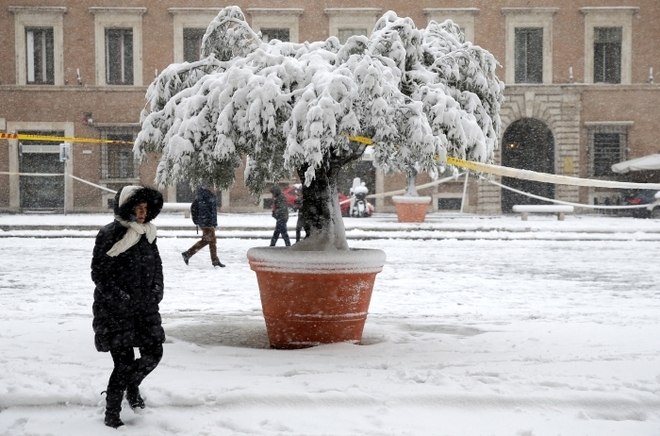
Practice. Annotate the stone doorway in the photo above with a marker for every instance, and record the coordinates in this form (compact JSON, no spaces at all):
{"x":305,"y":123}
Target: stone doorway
{"x":527,"y":144}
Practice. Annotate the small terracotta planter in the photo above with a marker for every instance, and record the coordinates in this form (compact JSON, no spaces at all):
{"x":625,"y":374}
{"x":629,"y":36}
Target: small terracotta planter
{"x":314,"y":297}
{"x":411,"y":209}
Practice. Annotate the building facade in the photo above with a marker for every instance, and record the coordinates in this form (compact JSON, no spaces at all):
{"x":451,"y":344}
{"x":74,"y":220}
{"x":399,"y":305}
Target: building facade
{"x":580,"y":91}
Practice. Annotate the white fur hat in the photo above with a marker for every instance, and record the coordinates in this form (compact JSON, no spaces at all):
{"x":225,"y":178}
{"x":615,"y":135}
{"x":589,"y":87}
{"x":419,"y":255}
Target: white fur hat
{"x":127,"y":193}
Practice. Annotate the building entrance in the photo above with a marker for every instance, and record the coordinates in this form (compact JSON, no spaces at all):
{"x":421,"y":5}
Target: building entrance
{"x":527,"y":144}
{"x":36,"y":191}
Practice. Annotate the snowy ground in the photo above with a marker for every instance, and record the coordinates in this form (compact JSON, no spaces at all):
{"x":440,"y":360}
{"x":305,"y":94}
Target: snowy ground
{"x":477,"y":326}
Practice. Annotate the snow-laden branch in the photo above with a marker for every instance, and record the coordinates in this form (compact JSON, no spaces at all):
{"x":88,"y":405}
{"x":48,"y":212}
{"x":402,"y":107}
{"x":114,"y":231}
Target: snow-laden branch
{"x":419,"y":93}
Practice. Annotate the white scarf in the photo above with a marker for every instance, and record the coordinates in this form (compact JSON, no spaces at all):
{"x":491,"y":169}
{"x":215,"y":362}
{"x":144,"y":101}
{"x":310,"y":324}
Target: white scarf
{"x":132,"y":236}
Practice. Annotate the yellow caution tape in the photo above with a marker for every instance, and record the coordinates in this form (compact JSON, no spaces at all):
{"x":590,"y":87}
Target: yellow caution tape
{"x":361,"y":139}
{"x":51,"y":138}
{"x":535,"y":176}
{"x":496,"y":170}
{"x":467,"y":164}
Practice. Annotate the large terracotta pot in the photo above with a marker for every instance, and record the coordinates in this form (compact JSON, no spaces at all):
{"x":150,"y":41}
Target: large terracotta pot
{"x":411,"y":209}
{"x":314,"y":297}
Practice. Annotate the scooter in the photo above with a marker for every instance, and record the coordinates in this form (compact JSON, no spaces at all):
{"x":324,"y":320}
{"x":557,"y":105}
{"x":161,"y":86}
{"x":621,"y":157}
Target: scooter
{"x":359,"y":206}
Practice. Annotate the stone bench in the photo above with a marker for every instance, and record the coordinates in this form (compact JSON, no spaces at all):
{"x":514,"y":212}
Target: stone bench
{"x":177,"y":207}
{"x":559,"y":209}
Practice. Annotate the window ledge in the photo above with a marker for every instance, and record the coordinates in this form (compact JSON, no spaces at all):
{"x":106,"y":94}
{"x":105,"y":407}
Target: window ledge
{"x":274,"y":11}
{"x":608,"y":123}
{"x":350,"y":11}
{"x":38,"y":9}
{"x":529,"y":11}
{"x":630,"y":10}
{"x":117,"y":10}
{"x":432,"y":11}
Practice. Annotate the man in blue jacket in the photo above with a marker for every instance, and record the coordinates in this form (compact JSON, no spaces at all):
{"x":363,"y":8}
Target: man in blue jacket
{"x":204,"y":213}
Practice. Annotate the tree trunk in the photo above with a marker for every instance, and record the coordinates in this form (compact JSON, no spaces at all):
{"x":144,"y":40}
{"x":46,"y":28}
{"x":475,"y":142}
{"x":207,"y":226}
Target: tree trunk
{"x":411,"y":189}
{"x":320,"y":210}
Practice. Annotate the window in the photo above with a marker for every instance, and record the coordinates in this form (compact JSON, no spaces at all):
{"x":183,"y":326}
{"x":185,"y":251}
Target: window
{"x":192,"y":44}
{"x":607,"y":54}
{"x":39,"y":56}
{"x":464,"y":17}
{"x":344,"y":34}
{"x":608,"y":44}
{"x":189,"y":26}
{"x":607,"y":151}
{"x":607,"y":145}
{"x":119,"y":56}
{"x":528,"y":50}
{"x":38,"y":44}
{"x":41,"y":157}
{"x":276,"y":23}
{"x":268,"y":34}
{"x":118,"y":45}
{"x":528,"y":55}
{"x":346,"y":22}
{"x":118,"y":161}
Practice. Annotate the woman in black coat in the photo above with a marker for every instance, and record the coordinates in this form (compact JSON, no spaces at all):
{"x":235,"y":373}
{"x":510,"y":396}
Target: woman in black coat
{"x":128,"y":274}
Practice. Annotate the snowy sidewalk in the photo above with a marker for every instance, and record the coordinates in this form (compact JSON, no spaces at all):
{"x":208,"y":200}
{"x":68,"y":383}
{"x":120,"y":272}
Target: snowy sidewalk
{"x":463,"y":338}
{"x":381,"y":225}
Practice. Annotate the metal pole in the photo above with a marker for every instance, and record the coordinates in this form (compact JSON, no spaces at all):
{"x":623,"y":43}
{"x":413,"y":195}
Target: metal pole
{"x":465,"y":184}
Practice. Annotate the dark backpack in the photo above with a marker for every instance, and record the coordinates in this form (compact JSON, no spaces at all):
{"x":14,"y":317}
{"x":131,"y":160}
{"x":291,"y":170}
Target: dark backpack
{"x":194,"y":211}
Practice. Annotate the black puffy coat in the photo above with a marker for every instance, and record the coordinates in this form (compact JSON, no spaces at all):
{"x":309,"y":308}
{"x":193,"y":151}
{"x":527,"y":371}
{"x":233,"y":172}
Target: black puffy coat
{"x":129,"y":287}
{"x":280,"y":206}
{"x":206,"y":214}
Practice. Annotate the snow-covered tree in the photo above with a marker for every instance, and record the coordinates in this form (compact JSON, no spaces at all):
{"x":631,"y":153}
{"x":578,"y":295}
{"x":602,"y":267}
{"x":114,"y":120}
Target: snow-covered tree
{"x":419,"y":94}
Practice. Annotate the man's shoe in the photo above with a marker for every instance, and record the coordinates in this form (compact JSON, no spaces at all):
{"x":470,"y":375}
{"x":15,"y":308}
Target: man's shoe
{"x":186,"y":257}
{"x":218,"y":263}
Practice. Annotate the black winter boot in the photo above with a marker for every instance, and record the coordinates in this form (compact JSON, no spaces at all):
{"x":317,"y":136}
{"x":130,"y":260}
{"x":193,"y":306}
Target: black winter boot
{"x":112,"y":418}
{"x":113,"y":408}
{"x":133,"y":397}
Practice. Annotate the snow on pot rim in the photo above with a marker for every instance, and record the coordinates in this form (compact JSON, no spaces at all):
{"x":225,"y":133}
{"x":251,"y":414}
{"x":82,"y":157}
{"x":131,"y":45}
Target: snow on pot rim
{"x":411,"y":199}
{"x":355,"y":260}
